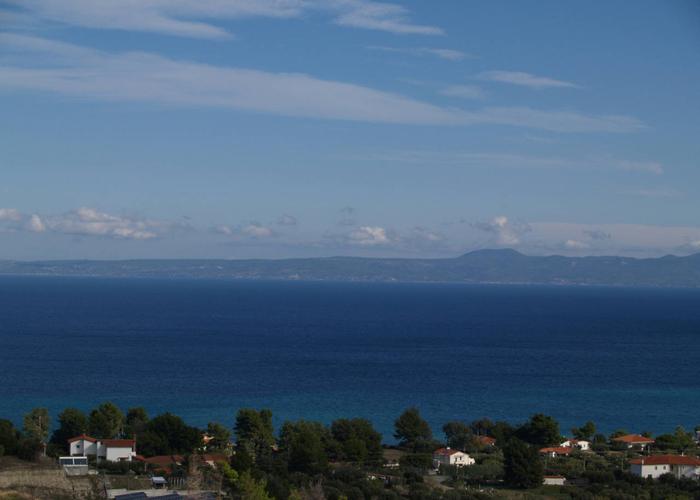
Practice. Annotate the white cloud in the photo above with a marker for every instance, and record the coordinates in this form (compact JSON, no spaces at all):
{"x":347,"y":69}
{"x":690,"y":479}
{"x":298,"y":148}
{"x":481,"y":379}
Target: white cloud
{"x":504,"y":231}
{"x":90,"y":222}
{"x":524,"y":79}
{"x":87,"y":221}
{"x":463,"y":91}
{"x":256,"y":230}
{"x":576,"y":245}
{"x":10,"y":214}
{"x":378,"y":16}
{"x":135,"y":76}
{"x":287,"y":220}
{"x":368,"y":236}
{"x":447,"y":54}
{"x":35,"y":224}
{"x":195,"y":18}
{"x":251,"y":230}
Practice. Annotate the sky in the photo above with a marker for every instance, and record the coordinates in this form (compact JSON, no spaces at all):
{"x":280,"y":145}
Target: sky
{"x":293,"y":128}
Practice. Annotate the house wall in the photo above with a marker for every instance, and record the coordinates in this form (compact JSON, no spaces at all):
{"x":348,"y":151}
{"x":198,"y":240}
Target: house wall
{"x":115,"y":454}
{"x":83,"y":448}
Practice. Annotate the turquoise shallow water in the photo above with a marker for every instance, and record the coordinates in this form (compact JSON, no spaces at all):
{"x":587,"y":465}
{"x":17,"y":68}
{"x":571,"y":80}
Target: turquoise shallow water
{"x":202,"y":349}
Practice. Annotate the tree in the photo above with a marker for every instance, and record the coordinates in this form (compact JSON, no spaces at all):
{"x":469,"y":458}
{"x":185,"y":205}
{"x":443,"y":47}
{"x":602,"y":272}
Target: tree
{"x":168,"y":434}
{"x":541,"y":430}
{"x":106,"y":421}
{"x":410,"y":428}
{"x":254,"y":430}
{"x":251,"y":489}
{"x":522,"y":465}
{"x":71,"y":422}
{"x":585,"y":432}
{"x":37,"y":424}
{"x":9,"y":437}
{"x":220,"y":436}
{"x":481,"y":427}
{"x":458,"y":435}
{"x":304,"y":445}
{"x":136,"y":420}
{"x":357,"y":439}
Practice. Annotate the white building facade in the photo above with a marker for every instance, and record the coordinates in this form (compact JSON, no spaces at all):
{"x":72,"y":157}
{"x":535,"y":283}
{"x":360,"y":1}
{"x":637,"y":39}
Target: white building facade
{"x":448,"y":456}
{"x":113,"y":450}
{"x":655,"y":466}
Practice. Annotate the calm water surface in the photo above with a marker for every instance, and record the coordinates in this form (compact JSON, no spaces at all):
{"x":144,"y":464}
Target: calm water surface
{"x":202,"y":349}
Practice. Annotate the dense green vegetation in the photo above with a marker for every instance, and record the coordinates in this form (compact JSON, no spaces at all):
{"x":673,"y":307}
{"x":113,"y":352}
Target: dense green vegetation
{"x":347,"y":460}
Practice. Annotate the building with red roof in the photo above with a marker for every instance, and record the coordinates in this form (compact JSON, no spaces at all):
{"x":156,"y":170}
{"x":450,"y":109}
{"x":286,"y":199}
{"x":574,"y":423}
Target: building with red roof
{"x":655,"y":466}
{"x":448,"y":456}
{"x":113,"y":450}
{"x":634,"y":441}
{"x":557,"y":451}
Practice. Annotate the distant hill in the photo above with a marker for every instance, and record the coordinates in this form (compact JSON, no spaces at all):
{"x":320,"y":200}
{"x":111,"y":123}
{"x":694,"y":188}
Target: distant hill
{"x":482,"y":266}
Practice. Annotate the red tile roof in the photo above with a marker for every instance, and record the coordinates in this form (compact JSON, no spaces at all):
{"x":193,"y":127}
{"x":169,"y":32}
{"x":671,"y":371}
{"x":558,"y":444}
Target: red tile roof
{"x":215,"y":457}
{"x":557,"y":450}
{"x":633,"y":439}
{"x":83,"y":437}
{"x":666,"y":460}
{"x":164,"y":459}
{"x":119,"y":443}
{"x":445,"y":451}
{"x":486,"y":440}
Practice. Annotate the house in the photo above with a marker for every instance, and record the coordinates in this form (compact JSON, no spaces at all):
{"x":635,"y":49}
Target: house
{"x":657,"y":465}
{"x":579,"y":444}
{"x":113,"y":450}
{"x":634,"y":441}
{"x":557,"y":451}
{"x":486,"y":440}
{"x":448,"y":456}
{"x":554,"y":480}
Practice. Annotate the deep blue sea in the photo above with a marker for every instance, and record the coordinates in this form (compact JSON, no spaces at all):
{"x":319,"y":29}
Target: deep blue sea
{"x":622,"y":357}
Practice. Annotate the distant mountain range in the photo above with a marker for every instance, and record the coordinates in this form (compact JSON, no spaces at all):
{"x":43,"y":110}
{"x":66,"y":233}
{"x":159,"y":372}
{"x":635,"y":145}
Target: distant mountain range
{"x":482,"y":266}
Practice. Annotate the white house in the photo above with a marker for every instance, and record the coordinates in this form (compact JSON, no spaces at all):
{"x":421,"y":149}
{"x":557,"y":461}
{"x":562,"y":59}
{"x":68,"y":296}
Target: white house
{"x":554,"y":480}
{"x":579,"y":444}
{"x":448,"y":456}
{"x":655,"y":466}
{"x":113,"y":450}
{"x":557,"y":451}
{"x":634,"y":441}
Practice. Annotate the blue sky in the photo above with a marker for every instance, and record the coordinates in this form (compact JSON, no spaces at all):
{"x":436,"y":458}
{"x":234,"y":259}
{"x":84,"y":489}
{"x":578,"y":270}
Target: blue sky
{"x":286,"y":128}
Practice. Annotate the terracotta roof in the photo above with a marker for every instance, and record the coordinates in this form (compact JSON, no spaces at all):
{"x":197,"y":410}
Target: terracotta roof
{"x":215,"y":457}
{"x":83,"y":437}
{"x":666,"y":460}
{"x":633,"y":439}
{"x":487,"y":440}
{"x":164,"y":459}
{"x":557,"y":450}
{"x":118,"y":443}
{"x":445,"y":451}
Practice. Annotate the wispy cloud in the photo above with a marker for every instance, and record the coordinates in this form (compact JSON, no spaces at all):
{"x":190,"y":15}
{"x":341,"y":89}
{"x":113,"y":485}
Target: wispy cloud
{"x":518,"y":161}
{"x":504,"y":231}
{"x":463,"y":91}
{"x":447,"y":54}
{"x":524,"y":79}
{"x":136,"y":76}
{"x":287,"y":220}
{"x":660,"y":192}
{"x":196,"y":18}
{"x":250,"y":230}
{"x":86,"y":221}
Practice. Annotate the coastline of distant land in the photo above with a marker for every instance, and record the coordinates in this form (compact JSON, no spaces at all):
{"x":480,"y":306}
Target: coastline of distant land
{"x":502,"y":266}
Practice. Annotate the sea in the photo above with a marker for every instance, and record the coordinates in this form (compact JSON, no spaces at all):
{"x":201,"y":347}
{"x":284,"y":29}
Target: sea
{"x":625,"y":358}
